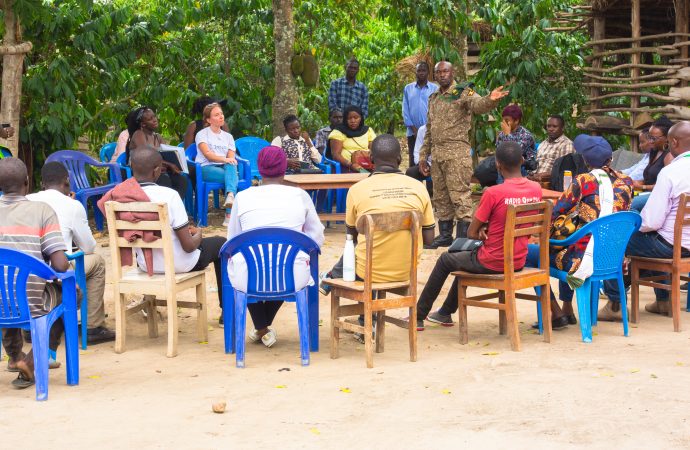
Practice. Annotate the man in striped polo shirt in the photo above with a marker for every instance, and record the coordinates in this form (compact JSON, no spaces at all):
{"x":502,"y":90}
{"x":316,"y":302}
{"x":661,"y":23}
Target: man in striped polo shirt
{"x":32,"y":228}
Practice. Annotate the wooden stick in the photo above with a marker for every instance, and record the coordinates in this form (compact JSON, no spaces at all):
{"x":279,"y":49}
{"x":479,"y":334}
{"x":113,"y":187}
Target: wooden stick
{"x":643,"y":77}
{"x":669,"y":82}
{"x":635,"y":94}
{"x":636,"y":39}
{"x":628,"y":51}
{"x":647,"y":110}
{"x":629,"y":66}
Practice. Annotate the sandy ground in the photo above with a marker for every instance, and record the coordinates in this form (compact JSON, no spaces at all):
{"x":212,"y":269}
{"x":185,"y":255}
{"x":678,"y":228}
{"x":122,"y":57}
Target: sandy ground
{"x":616,"y":392}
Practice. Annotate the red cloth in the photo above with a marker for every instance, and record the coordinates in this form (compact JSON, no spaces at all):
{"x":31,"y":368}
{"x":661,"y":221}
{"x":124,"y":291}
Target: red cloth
{"x":493,"y":209}
{"x":126,"y":192}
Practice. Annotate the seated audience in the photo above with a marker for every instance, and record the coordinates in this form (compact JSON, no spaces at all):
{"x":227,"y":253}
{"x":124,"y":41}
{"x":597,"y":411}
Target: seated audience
{"x":297,"y":145}
{"x":350,"y":137}
{"x":76,"y":232}
{"x":591,"y":195}
{"x":199,"y":124}
{"x":512,"y":131}
{"x":413,"y":171}
{"x":142,"y":128}
{"x":556,"y":145}
{"x":31,"y":228}
{"x":123,"y":137}
{"x":655,"y":237}
{"x":386,"y":190}
{"x":321,"y":141}
{"x":659,"y":156}
{"x":272,"y":205}
{"x":636,"y":171}
{"x":488,"y":225}
{"x":216,"y":153}
{"x":191,"y":252}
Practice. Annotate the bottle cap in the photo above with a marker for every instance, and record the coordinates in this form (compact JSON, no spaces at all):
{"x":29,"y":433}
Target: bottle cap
{"x":567,"y":172}
{"x":348,"y":237}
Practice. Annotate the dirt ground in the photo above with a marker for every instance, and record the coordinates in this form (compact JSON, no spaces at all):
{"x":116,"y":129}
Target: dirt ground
{"x":616,"y":392}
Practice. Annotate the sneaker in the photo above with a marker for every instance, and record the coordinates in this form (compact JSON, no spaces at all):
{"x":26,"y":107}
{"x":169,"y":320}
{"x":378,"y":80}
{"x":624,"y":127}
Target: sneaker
{"x":269,"y":338}
{"x":420,"y":323}
{"x":229,"y":200}
{"x":607,"y":314}
{"x":324,"y":289}
{"x":659,"y":307}
{"x":440,"y":319}
{"x":226,"y":221}
{"x":99,"y":334}
{"x":254,"y":335}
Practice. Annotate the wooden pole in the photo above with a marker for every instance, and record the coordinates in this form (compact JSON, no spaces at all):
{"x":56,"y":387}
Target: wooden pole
{"x":636,"y":32}
{"x":682,"y":9}
{"x":598,"y":33}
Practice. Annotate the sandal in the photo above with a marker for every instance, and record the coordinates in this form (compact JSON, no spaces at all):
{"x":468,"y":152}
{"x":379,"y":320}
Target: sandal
{"x":22,"y":382}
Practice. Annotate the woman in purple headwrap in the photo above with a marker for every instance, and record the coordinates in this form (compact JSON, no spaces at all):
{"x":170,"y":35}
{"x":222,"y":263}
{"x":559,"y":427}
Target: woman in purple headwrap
{"x":272,"y":204}
{"x":511,"y":130}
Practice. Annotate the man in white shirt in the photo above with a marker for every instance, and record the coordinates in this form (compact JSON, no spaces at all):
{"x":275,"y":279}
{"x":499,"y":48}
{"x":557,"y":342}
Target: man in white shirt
{"x":191,"y":252}
{"x":413,"y":171}
{"x":655,"y":238}
{"x":76,"y":232}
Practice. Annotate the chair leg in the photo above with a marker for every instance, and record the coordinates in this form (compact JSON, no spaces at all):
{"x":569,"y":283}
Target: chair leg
{"x":120,"y":323}
{"x":412,"y":333}
{"x":202,"y":312}
{"x":71,"y":346}
{"x":462,"y":313}
{"x":240,"y":324}
{"x":172,"y":324}
{"x":380,"y":330}
{"x":594,"y":302}
{"x":634,"y":292}
{"x":335,"y":331}
{"x":545,"y":307}
{"x":675,"y":299}
{"x":151,"y":315}
{"x":624,"y":303}
{"x":583,"y":308}
{"x":40,"y":331}
{"x":511,"y":318}
{"x":303,"y":324}
{"x":313,"y":303}
{"x":502,"y":325}
{"x":368,"y":330}
{"x":228,"y":313}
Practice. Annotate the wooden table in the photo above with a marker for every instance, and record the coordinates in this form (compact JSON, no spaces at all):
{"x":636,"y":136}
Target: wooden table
{"x":325,"y":181}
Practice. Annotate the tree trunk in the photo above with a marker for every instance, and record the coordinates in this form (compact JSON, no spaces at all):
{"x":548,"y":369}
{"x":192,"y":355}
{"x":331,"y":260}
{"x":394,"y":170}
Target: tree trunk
{"x":285,"y":97}
{"x":12,"y":51}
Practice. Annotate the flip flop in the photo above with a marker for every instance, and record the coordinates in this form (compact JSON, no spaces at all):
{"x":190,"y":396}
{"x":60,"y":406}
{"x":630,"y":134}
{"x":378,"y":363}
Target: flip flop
{"x":22,"y":382}
{"x":52,"y":364}
{"x":11,"y":369}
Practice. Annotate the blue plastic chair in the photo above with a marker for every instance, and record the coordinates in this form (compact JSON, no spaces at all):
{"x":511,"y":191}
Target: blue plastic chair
{"x":6,"y":153}
{"x":76,"y":162}
{"x":107,"y":151}
{"x":248,"y":148}
{"x":14,"y":313}
{"x":204,"y":188}
{"x":336,"y":195}
{"x":274,"y":251}
{"x":80,"y":273}
{"x":611,"y":235}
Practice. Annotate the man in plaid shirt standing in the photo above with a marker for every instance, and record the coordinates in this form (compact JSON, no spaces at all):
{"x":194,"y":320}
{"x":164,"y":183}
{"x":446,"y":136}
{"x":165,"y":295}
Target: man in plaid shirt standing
{"x":346,"y":91}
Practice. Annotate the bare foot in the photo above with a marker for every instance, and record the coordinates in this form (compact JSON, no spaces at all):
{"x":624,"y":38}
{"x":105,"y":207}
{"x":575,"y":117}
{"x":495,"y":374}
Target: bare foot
{"x":26,"y":369}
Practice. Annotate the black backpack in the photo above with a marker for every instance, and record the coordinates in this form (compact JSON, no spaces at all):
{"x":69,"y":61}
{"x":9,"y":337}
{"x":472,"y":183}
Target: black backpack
{"x":572,"y":162}
{"x":486,"y":172}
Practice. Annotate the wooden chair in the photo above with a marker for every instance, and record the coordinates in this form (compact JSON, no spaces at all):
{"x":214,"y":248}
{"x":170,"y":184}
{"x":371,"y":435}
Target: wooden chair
{"x":159,"y":289}
{"x":362,"y":291}
{"x":518,"y":223}
{"x":673,"y":268}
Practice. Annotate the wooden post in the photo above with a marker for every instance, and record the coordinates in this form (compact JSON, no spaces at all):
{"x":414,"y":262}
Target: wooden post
{"x":682,"y":10}
{"x":598,"y":33}
{"x":636,"y":32}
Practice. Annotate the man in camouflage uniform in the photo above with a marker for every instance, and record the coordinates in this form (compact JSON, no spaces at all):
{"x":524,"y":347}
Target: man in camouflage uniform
{"x":447,"y":141}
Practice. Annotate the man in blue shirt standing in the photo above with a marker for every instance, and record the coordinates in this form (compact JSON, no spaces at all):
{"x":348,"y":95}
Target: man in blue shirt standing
{"x":415,"y":105}
{"x":346,"y":91}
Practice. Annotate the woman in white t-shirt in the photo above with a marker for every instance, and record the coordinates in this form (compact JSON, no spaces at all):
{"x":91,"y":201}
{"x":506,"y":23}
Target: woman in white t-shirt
{"x":216,"y":153}
{"x":272,"y":205}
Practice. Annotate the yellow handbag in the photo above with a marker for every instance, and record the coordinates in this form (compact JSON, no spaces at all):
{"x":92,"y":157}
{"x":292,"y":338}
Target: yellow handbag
{"x":564,"y":226}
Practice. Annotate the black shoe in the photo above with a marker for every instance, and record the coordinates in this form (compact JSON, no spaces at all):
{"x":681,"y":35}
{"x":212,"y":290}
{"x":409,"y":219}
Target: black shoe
{"x":221,"y":321}
{"x":98,"y":335}
{"x":556,"y":324}
{"x":572,"y":320}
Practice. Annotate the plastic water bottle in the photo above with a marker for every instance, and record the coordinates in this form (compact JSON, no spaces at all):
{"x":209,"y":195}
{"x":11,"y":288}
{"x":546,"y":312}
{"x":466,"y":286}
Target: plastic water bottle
{"x":567,"y":179}
{"x":349,"y":259}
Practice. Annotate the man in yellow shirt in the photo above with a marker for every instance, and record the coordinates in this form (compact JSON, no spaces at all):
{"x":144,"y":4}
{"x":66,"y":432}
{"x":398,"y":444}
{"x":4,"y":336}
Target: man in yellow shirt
{"x":386,"y":190}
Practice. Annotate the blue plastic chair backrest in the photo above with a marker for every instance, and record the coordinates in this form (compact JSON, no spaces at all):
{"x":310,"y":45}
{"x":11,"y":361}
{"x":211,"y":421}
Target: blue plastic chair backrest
{"x":107,"y":151}
{"x":6,"y":153}
{"x":191,"y":152}
{"x":122,"y":159}
{"x":611,"y":235}
{"x":15,"y":269}
{"x":249,"y":147}
{"x":75,"y":162}
{"x":270,"y":255}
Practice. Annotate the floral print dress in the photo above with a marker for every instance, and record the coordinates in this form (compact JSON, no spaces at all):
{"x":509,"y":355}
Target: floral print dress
{"x":584,"y":192}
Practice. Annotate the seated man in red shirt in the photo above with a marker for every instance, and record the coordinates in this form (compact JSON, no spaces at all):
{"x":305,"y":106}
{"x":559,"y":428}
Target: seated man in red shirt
{"x":488,"y":225}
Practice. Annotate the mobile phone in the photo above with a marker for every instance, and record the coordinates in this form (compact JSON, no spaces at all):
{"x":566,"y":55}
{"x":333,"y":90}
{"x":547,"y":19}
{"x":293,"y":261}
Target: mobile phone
{"x":5,"y":125}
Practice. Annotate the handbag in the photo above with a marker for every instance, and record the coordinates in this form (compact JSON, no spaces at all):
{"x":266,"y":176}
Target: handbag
{"x":464,"y":245}
{"x":565,"y":225}
{"x":362,"y":158}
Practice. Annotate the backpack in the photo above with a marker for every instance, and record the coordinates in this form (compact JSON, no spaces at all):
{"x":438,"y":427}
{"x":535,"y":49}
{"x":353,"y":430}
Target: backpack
{"x":572,"y":162}
{"x":486,"y":172}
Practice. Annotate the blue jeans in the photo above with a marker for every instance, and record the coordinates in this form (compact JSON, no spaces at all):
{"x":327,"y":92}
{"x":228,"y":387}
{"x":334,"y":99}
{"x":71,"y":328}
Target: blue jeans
{"x":639,"y":202}
{"x":650,"y":245}
{"x":565,"y":293}
{"x":227,"y":173}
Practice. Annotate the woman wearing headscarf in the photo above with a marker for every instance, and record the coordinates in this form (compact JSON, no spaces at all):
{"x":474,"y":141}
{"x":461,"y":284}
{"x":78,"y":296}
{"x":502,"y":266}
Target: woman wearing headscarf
{"x":591,"y":195}
{"x":349,"y":137}
{"x":272,"y":204}
{"x":142,"y":126}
